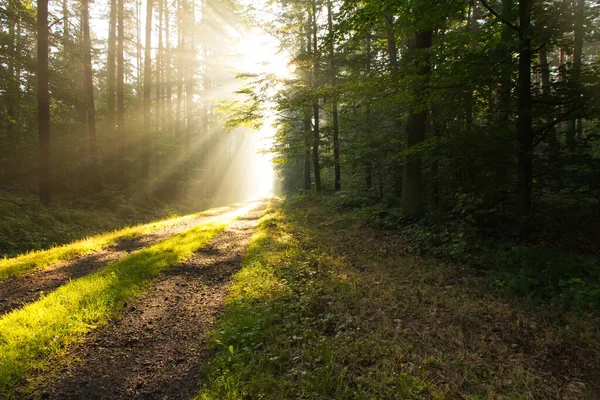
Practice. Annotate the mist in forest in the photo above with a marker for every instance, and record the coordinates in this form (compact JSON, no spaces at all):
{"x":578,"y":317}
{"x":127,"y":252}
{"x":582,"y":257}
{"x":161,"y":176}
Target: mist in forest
{"x":119,"y":98}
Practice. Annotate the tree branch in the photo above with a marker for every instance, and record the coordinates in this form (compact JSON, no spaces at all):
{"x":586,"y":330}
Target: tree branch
{"x":499,"y":17}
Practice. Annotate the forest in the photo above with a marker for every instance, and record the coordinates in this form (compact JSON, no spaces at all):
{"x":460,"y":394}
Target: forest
{"x":300,"y":199}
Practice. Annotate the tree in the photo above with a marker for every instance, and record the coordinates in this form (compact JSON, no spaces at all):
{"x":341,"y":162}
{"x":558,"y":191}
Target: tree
{"x":412,"y":197}
{"x":43,"y":100}
{"x":94,"y":168}
{"x":121,"y":82}
{"x":147,"y":94}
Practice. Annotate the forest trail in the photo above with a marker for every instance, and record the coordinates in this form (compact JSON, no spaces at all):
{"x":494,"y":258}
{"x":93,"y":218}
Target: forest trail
{"x":156,"y":349}
{"x":20,"y":290}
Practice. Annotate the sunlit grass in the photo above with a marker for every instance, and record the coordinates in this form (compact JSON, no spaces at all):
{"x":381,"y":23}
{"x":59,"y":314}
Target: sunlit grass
{"x":41,"y":259}
{"x":304,"y":322}
{"x":38,"y":334}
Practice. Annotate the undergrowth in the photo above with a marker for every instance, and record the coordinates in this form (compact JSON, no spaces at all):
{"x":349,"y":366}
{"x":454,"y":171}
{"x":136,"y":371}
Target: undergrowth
{"x":539,"y":273}
{"x":324,"y":308}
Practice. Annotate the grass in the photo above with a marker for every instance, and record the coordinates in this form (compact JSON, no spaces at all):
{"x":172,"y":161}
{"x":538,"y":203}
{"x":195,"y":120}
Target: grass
{"x":37,"y":335}
{"x":326,"y":307}
{"x":20,"y":265}
{"x":27,"y":225}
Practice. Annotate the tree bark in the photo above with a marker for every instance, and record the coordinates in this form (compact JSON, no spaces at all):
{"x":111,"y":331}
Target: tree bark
{"x":43,"y":102}
{"x":315,"y":85}
{"x":147,"y":94}
{"x":110,"y":68}
{"x":578,"y":53}
{"x":412,"y":198}
{"x":169,"y":104}
{"x":524,"y":120}
{"x":334,"y":101}
{"x":94,"y":169}
{"x":189,"y":90}
{"x":158,"y":62}
{"x":391,"y":42}
{"x":121,"y":85}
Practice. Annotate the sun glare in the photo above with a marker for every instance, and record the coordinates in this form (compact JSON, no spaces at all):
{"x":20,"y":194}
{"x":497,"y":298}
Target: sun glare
{"x":261,"y":54}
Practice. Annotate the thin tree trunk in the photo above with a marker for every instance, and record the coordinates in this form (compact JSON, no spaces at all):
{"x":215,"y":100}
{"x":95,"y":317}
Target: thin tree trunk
{"x":391,"y":42}
{"x":147,"y":94}
{"x":89,"y":90}
{"x":65,"y":37}
{"x":169,"y":104}
{"x":369,"y":163}
{"x":334,"y":101}
{"x":306,"y":43}
{"x":307,"y":158}
{"x":138,"y":47}
{"x":121,"y":85}
{"x":412,"y":198}
{"x":110,"y":68}
{"x":159,"y":57}
{"x":179,"y":55}
{"x":578,"y":52}
{"x":524,"y":121}
{"x":315,"y":85}
{"x":189,"y":90}
{"x":43,"y":100}
{"x":13,"y":86}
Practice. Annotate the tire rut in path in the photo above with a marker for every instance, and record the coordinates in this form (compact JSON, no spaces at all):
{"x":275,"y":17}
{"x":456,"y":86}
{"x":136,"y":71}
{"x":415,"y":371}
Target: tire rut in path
{"x":157,"y":349}
{"x":17,"y":291}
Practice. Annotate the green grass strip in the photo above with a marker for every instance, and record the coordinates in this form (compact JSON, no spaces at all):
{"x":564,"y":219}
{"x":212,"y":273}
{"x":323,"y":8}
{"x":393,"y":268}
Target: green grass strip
{"x":24,"y":263}
{"x":279,"y":338}
{"x":38,"y":334}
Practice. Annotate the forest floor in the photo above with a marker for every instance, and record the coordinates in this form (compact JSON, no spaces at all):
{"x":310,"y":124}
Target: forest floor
{"x":155,"y":349}
{"x":307,"y":303}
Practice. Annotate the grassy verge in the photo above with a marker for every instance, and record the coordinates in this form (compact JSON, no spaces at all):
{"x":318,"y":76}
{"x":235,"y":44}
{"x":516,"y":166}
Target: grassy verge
{"x":326,"y":307}
{"x":38,"y":334}
{"x":27,"y":225}
{"x":24,"y":263}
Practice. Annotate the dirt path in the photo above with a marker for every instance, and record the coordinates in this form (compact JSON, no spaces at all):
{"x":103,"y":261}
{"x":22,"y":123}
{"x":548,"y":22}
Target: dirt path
{"x":156,"y":350}
{"x":17,"y":291}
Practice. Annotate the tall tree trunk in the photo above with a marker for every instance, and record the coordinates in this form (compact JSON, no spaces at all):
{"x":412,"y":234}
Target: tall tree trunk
{"x":334,"y":101}
{"x":545,"y":72}
{"x":90,"y":106}
{"x":138,"y":48}
{"x":306,"y":44}
{"x":315,"y":85}
{"x":168,"y":60}
{"x":369,"y":163}
{"x":158,"y":62}
{"x":147,"y":94}
{"x":179,"y":55}
{"x":469,"y":94}
{"x":578,"y":52}
{"x":43,"y":100}
{"x":307,"y":157}
{"x":412,"y":197}
{"x":524,"y":121}
{"x":65,"y":36}
{"x":13,"y":86}
{"x":121,"y":85}
{"x":110,"y":68}
{"x":189,"y":90}
{"x":391,"y":42}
